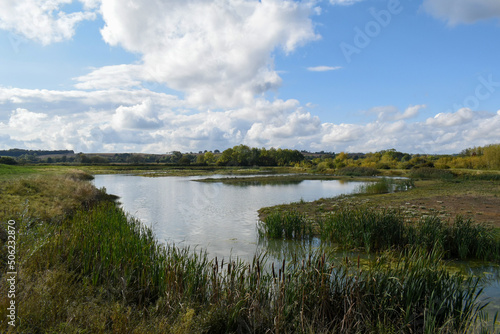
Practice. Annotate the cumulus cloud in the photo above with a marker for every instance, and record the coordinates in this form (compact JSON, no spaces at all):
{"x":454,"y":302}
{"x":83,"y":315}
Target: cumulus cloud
{"x":141,"y":116}
{"x":461,"y":117}
{"x":391,"y":113}
{"x":462,"y":11}
{"x":153,"y":122}
{"x":218,"y":52}
{"x":323,"y":68}
{"x":43,"y":21}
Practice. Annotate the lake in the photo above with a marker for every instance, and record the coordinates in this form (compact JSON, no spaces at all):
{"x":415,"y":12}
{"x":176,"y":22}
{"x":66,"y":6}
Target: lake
{"x":216,"y":217}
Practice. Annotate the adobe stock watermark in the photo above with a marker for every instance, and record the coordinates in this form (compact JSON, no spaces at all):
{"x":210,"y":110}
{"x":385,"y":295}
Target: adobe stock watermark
{"x":16,"y":41}
{"x":363,"y":37}
{"x":483,"y":91}
{"x":11,"y":274}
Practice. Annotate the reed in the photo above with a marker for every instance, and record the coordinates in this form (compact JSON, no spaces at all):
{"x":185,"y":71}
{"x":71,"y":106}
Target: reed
{"x":374,"y":230}
{"x":113,"y":256}
{"x":386,"y":185}
{"x":288,"y":224}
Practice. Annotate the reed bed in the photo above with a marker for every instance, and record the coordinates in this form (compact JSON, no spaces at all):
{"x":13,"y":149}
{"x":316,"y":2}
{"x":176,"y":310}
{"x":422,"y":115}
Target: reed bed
{"x":411,"y":292}
{"x":373,"y":230}
{"x":287,"y":224}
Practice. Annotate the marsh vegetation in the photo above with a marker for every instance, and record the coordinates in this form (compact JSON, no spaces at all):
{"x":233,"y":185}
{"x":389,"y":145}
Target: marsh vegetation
{"x":86,"y":266}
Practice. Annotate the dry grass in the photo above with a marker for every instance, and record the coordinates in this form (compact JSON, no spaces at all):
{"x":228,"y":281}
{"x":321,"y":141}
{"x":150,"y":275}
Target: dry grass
{"x":47,"y":198}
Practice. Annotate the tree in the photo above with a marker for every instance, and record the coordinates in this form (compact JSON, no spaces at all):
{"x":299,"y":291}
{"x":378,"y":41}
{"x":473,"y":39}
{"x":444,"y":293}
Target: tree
{"x":209,"y":157}
{"x":492,"y":156}
{"x":200,"y":159}
{"x":8,"y":161}
{"x":176,"y":156}
{"x":226,"y":157}
{"x":184,"y":160}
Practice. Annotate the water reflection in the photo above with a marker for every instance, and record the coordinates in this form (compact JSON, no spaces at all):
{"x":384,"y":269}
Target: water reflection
{"x":215,"y":216}
{"x":222,"y":218}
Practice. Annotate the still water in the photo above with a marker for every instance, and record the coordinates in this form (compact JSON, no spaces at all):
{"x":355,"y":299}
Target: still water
{"x":220,"y":218}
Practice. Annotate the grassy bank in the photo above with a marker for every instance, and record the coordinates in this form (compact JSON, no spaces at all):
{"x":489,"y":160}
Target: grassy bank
{"x":84,"y":266}
{"x":471,"y":196}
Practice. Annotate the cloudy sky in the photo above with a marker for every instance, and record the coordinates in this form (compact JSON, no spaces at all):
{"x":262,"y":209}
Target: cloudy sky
{"x":420,"y":76}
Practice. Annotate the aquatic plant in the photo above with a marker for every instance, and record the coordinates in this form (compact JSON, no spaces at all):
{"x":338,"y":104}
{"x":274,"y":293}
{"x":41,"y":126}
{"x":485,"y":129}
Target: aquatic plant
{"x":372,"y":230}
{"x":288,"y":224}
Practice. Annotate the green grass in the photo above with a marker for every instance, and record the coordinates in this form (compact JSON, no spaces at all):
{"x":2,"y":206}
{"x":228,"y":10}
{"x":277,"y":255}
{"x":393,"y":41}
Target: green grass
{"x":289,"y":225}
{"x":10,"y":170}
{"x":372,"y":230}
{"x":431,"y":173}
{"x":93,"y":269}
{"x":130,"y":283}
{"x":358,"y":171}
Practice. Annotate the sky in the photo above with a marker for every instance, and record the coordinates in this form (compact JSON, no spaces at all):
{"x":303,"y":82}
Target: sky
{"x":418,"y":76}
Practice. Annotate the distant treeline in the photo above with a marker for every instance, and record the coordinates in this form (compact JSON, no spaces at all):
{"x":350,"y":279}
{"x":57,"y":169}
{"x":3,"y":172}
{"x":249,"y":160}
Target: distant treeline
{"x":485,"y":157}
{"x":16,"y":152}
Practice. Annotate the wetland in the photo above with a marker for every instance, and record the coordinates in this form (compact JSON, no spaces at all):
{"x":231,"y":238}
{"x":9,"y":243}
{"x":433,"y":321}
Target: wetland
{"x":87,"y":264}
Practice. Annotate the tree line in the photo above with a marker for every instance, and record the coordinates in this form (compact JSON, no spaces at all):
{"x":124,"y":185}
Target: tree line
{"x":484,"y":157}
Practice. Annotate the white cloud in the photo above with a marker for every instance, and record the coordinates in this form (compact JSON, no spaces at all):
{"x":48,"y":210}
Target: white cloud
{"x":344,"y":2}
{"x":140,"y":116}
{"x":145,"y":121}
{"x":323,"y":68}
{"x":461,"y":117}
{"x":218,"y":52}
{"x":29,"y":121}
{"x":391,"y":113}
{"x":462,"y":11}
{"x":42,"y":21}
{"x":90,"y":4}
{"x":115,"y":76}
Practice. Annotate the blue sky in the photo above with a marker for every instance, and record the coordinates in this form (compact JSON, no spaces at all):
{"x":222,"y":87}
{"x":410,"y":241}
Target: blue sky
{"x":420,"y":76}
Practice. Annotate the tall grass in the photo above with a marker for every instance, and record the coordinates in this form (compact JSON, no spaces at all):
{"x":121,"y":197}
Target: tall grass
{"x":372,"y":230}
{"x":123,"y":255}
{"x":138,"y":285}
{"x":287,"y":224}
{"x":386,"y":185}
{"x":462,"y":239}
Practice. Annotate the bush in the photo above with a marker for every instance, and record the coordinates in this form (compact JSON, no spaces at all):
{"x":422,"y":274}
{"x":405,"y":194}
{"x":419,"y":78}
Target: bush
{"x":431,"y":173}
{"x":8,"y":161}
{"x":358,"y":171}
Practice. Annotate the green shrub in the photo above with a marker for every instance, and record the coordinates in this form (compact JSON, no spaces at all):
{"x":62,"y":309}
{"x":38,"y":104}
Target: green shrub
{"x":431,"y":173}
{"x":357,"y":171}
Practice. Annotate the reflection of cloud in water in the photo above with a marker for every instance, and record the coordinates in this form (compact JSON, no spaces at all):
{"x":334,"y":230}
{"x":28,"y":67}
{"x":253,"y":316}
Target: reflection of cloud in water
{"x":218,"y":217}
